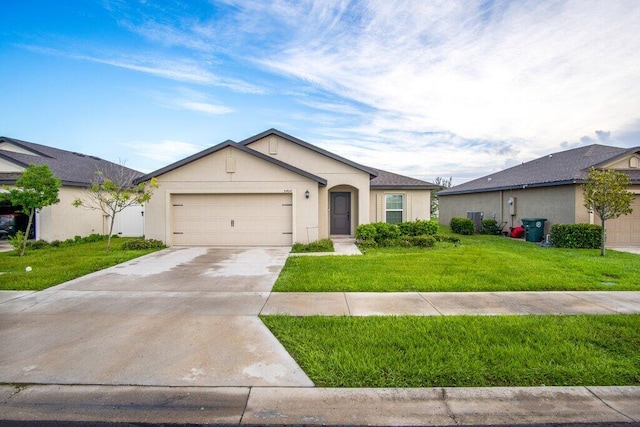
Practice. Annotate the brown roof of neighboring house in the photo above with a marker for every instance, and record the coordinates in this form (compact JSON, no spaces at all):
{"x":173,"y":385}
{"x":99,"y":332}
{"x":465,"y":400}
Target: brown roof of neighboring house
{"x":562,"y":168}
{"x":73,"y":169}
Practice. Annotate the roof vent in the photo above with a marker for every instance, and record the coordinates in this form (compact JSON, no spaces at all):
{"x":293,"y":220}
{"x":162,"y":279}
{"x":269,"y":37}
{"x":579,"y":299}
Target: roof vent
{"x":590,"y":151}
{"x":489,"y":179}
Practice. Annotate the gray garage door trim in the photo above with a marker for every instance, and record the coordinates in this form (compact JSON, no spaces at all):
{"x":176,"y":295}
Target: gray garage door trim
{"x":236,"y":219}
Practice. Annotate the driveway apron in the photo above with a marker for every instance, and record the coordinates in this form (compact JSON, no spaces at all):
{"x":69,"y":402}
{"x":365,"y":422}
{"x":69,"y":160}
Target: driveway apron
{"x":178,"y":317}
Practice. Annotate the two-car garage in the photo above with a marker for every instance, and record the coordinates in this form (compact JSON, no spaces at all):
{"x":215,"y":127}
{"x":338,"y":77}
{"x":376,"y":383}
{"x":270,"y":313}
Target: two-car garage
{"x":232,"y":219}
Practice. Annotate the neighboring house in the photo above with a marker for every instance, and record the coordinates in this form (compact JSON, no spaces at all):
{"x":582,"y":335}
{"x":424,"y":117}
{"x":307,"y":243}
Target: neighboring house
{"x":274,"y":190}
{"x":549,"y":187}
{"x":76,"y":171}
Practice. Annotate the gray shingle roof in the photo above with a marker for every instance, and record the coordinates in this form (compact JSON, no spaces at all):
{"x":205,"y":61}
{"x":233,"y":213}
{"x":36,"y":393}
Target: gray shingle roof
{"x":73,"y":169}
{"x":388,"y":180}
{"x":564,"y":167}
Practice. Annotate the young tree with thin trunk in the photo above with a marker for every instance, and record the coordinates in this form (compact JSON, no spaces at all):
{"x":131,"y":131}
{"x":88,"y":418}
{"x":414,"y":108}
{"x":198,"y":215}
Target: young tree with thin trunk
{"x":113,"y":191}
{"x":442,"y":184}
{"x":35,"y":189}
{"x":606,"y":194}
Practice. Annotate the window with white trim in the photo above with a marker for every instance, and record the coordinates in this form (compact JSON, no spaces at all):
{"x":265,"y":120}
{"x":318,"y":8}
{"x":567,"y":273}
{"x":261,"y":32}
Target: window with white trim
{"x":394,"y":208}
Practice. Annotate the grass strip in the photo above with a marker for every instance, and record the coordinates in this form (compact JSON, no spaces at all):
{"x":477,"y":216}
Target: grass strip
{"x":323,"y":245}
{"x":463,"y":351}
{"x":54,"y":265}
{"x":479,"y":263}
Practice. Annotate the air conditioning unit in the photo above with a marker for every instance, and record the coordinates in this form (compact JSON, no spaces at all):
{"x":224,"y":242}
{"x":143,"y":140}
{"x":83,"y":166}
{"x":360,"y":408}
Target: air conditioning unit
{"x":476,"y":217}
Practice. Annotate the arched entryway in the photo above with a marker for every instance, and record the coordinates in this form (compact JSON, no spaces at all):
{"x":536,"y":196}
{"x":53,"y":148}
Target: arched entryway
{"x":343,"y":202}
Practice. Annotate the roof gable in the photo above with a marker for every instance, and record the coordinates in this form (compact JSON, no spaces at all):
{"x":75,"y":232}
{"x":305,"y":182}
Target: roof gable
{"x":221,"y":146}
{"x":17,"y":146}
{"x":372,"y":172}
{"x":561,"y":168}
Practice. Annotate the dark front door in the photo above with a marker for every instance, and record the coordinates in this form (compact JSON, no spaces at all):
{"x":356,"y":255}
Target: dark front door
{"x":340,"y":213}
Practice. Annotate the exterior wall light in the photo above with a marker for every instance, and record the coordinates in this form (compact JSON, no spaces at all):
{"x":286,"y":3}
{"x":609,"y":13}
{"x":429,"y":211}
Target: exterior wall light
{"x":306,"y":194}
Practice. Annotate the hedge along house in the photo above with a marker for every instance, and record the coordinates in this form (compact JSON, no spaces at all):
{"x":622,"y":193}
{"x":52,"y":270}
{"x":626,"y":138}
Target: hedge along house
{"x":549,"y":187}
{"x":274,"y":190}
{"x":77,"y":172}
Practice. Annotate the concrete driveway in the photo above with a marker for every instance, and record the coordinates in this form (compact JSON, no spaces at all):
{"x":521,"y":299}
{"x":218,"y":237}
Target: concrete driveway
{"x":178,"y":317}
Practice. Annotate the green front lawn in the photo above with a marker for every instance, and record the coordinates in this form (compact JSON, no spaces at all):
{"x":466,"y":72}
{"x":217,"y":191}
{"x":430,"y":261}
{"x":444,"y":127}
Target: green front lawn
{"x":479,"y":263}
{"x":51,"y":266}
{"x":463,"y":351}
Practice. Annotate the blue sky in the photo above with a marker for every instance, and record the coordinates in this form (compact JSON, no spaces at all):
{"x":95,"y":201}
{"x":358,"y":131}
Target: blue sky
{"x":422,"y":88}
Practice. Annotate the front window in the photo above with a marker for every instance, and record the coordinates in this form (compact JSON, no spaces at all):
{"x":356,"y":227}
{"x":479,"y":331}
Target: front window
{"x":394,"y":204}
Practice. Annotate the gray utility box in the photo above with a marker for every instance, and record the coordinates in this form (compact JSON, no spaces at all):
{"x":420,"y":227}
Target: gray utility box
{"x":476,"y":217}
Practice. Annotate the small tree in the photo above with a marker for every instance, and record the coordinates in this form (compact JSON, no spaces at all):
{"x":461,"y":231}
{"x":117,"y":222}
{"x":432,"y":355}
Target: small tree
{"x":606,"y":194}
{"x":35,"y":189}
{"x":113,"y":191}
{"x":442,"y":184}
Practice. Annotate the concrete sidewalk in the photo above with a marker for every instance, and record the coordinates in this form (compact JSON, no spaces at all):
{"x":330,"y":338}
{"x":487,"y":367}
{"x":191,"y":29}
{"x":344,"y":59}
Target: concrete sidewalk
{"x":450,"y":303}
{"x":59,"y":405}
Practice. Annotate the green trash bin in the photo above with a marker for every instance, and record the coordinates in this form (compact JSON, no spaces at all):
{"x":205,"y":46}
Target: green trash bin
{"x":533,"y":229}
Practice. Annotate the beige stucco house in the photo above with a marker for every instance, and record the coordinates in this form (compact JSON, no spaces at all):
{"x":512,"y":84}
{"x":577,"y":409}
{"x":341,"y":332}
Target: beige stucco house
{"x":549,"y":187}
{"x":275,"y":190}
{"x":76,"y":171}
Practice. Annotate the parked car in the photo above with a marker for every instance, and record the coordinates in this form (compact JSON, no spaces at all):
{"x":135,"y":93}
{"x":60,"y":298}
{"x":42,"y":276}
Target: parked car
{"x":8,"y":225}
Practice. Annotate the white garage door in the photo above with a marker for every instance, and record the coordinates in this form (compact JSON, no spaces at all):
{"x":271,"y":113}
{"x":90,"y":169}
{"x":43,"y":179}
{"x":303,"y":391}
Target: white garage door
{"x":232,"y":219}
{"x":625,"y":230}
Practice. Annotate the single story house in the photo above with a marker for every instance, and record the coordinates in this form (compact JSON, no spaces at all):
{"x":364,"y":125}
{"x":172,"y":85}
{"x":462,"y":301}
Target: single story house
{"x":76,"y":172}
{"x":549,"y":187}
{"x":273,"y":189}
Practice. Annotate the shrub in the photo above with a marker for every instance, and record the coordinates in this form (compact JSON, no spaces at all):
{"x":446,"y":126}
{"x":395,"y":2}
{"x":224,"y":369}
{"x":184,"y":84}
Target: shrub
{"x":423,"y":241}
{"x":405,"y":234}
{"x":367,"y":232}
{"x":385,"y":231}
{"x":323,"y":245}
{"x":463,"y":226}
{"x":139,"y":244}
{"x":93,"y":238}
{"x":55,"y":243}
{"x":578,"y":236}
{"x":418,"y":228}
{"x":489,"y":226}
{"x":17,"y":240}
{"x":38,"y":244}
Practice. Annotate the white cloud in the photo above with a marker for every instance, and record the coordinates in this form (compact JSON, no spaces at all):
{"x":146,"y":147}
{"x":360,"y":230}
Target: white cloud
{"x":438,"y":88}
{"x":205,"y":108}
{"x":175,"y":68}
{"x":529,"y":72}
{"x":163,"y":152}
{"x":184,"y":98}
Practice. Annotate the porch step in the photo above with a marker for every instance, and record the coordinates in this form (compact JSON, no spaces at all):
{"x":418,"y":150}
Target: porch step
{"x":343,"y":239}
